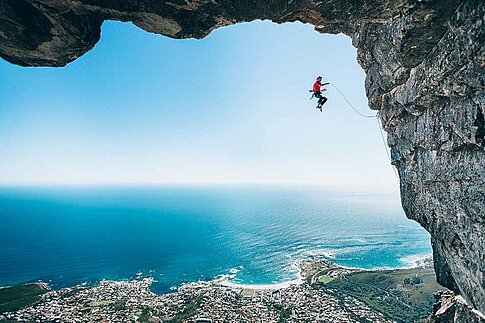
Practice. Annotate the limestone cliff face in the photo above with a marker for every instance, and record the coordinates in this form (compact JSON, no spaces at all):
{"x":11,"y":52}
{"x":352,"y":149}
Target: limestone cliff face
{"x":424,"y":61}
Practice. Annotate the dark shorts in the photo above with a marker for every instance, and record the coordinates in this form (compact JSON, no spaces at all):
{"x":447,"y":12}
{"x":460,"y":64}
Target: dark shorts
{"x":320,"y":97}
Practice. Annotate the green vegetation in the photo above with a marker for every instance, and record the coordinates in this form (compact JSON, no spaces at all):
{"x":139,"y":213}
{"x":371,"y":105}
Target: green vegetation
{"x":285,"y":314}
{"x":191,"y":306}
{"x":412,"y":281}
{"x":325,"y":279}
{"x":17,"y":297}
{"x":247,"y":293}
{"x":119,"y":305}
{"x":102,"y":303}
{"x":386,"y":292}
{"x":145,"y":315}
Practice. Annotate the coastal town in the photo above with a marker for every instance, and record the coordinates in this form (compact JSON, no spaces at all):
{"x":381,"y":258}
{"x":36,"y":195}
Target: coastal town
{"x":313,"y":299}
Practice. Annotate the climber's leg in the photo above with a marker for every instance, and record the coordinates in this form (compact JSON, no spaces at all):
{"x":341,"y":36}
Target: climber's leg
{"x":322,"y":100}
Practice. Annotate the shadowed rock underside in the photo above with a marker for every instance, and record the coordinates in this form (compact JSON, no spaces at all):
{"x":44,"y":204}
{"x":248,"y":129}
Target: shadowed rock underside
{"x":425,"y":74}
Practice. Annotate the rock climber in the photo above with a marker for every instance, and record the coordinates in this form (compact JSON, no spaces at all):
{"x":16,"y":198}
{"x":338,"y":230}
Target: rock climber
{"x":318,"y":87}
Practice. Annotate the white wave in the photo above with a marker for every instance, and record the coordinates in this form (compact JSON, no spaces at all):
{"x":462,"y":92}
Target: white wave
{"x":326,"y":253}
{"x":414,"y":261}
{"x":275,"y":286}
{"x":295,"y":267}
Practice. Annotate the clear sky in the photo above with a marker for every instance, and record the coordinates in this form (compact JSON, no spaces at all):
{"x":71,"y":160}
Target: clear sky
{"x":233,"y":107}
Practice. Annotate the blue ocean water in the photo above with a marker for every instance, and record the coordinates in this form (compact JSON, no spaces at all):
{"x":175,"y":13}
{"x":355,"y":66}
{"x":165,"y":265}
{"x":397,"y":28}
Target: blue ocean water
{"x":179,"y":234}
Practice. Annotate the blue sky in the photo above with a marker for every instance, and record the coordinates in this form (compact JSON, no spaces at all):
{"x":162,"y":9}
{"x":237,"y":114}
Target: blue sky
{"x":233,"y":107}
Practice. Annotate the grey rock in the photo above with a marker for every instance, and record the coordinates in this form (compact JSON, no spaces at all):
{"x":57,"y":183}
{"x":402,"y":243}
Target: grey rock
{"x":424,"y":61}
{"x":453,"y":308}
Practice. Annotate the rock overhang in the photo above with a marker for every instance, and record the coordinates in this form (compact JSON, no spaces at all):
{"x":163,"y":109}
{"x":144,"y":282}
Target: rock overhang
{"x":424,"y":62}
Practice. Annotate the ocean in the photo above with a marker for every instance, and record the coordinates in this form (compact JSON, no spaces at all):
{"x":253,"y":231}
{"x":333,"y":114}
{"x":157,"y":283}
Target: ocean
{"x":181,"y":234}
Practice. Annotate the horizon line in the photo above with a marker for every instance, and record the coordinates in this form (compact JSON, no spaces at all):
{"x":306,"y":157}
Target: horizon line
{"x":329,"y":186}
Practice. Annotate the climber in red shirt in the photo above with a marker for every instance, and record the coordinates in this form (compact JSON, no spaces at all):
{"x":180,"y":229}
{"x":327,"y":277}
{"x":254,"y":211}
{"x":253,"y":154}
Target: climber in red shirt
{"x":318,"y":87}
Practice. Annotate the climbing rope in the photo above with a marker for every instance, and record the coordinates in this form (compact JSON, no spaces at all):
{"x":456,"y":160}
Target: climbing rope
{"x":350,"y":104}
{"x":378,"y":123}
{"x":385,"y":146}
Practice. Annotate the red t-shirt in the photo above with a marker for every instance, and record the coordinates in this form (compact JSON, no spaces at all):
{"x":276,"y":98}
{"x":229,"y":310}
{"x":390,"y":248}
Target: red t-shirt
{"x":316,"y":87}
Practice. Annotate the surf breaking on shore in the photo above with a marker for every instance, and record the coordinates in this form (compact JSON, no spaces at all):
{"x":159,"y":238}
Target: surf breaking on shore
{"x":414,"y":261}
{"x":230,"y":279}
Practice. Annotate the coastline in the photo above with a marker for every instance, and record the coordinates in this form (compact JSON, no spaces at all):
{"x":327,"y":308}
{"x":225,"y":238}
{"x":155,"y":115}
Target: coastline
{"x":417,"y":261}
{"x":226,"y":280}
{"x":323,"y":288}
{"x":42,"y":285}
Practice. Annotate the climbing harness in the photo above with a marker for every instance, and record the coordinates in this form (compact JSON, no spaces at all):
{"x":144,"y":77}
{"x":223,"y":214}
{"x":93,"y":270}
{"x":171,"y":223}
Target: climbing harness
{"x":313,"y":93}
